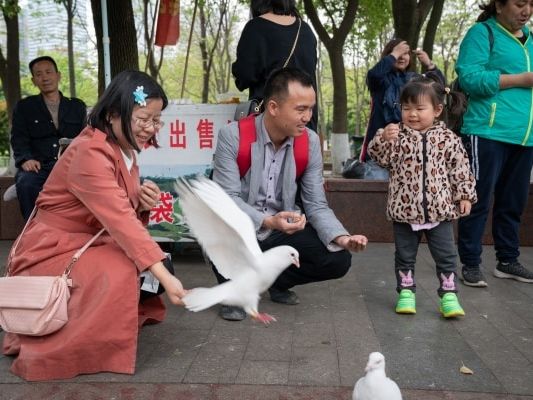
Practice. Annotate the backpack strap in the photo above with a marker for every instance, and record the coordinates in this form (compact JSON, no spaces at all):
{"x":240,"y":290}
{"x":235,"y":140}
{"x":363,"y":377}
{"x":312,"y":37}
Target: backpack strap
{"x":247,"y":136}
{"x":491,"y":36}
{"x":301,"y":153}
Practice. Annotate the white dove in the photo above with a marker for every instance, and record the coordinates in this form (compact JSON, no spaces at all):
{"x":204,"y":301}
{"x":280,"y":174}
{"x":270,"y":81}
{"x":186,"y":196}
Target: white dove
{"x":375,"y":385}
{"x":227,"y":235}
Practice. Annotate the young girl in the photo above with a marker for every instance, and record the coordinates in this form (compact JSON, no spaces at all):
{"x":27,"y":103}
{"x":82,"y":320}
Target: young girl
{"x":430,"y":184}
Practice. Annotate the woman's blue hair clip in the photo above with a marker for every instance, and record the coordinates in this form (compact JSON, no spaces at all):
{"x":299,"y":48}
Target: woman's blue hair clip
{"x":139,"y":96}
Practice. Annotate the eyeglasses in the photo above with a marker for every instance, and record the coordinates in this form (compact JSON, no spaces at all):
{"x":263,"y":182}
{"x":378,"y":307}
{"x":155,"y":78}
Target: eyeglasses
{"x":148,"y":123}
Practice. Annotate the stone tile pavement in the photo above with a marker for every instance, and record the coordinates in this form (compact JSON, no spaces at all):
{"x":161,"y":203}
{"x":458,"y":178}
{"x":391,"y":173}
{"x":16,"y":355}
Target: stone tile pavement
{"x":318,"y":349}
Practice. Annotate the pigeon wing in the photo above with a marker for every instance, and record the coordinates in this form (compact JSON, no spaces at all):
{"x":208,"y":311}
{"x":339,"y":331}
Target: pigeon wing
{"x":224,"y":231}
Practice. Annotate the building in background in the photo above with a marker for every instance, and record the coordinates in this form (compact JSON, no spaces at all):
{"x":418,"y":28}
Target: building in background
{"x":43,"y":28}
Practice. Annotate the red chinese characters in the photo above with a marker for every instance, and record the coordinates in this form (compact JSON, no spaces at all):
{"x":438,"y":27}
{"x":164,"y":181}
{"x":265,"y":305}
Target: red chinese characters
{"x":164,"y":209}
{"x":205,"y":133}
{"x":177,"y":135}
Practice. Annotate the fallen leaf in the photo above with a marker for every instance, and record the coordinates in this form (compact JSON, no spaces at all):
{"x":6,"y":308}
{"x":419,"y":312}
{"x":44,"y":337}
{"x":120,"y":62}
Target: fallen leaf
{"x":465,"y":370}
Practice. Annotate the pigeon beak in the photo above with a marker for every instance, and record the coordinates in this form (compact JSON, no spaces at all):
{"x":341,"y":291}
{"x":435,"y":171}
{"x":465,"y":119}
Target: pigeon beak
{"x":296,"y":261}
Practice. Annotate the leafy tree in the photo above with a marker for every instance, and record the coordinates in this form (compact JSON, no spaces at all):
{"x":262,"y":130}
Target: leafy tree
{"x":409,"y":18}
{"x":333,"y":29}
{"x":457,"y":17}
{"x":85,"y":75}
{"x":4,"y":131}
{"x":9,"y":58}
{"x":70,"y":8}
{"x":211,"y":19}
{"x":152,"y":65}
{"x":372,"y":28}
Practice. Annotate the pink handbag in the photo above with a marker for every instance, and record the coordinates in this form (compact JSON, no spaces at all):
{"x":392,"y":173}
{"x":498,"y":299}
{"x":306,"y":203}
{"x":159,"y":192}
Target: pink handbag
{"x":36,"y":305}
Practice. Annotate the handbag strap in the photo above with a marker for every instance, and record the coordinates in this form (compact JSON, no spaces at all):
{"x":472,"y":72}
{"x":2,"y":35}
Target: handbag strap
{"x":14,"y":248}
{"x":78,"y":254}
{"x":75,"y":257}
{"x":257,"y":108}
{"x":294,"y":44}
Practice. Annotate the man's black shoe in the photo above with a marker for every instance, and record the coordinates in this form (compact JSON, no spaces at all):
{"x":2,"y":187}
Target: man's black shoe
{"x":513,"y":270}
{"x":472,"y":276}
{"x":232,"y":313}
{"x":283,"y":296}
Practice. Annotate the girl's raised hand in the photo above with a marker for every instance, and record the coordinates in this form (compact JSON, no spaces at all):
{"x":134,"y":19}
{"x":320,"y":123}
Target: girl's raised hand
{"x":390,"y":132}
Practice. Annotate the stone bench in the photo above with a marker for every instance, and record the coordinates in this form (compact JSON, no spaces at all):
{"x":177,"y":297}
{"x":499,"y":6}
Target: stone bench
{"x":11,"y":221}
{"x":361,"y":205}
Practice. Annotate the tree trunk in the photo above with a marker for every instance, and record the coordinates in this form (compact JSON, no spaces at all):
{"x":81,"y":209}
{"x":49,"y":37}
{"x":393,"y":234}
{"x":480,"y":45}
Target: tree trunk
{"x":10,"y":63}
{"x":431,"y":28}
{"x":10,"y":66}
{"x":203,"y":52}
{"x":70,"y":6}
{"x":335,"y":45}
{"x":409,"y":17}
{"x":122,"y":36}
{"x":151,"y":65}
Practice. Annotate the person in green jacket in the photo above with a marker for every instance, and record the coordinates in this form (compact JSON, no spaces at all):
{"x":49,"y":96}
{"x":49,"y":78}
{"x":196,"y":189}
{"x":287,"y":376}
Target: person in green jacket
{"x":494,"y":67}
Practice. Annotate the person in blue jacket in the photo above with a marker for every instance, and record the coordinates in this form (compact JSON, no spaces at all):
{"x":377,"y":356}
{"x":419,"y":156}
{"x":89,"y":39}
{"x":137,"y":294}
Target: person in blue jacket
{"x":496,"y":74}
{"x":386,"y":79}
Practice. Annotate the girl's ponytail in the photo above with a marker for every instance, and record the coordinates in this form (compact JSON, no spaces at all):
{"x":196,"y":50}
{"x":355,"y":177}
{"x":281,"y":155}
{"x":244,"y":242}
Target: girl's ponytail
{"x":454,"y":108}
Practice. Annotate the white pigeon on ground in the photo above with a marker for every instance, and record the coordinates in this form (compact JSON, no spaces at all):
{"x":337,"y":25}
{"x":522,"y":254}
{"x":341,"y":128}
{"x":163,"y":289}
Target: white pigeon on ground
{"x":375,"y":385}
{"x":227,"y":235}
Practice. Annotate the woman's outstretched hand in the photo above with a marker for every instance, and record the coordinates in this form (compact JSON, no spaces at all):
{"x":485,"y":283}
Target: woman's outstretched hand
{"x":172,"y":285}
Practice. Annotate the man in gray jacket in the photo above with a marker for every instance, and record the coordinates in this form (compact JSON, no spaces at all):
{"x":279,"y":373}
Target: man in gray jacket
{"x":286,"y":209}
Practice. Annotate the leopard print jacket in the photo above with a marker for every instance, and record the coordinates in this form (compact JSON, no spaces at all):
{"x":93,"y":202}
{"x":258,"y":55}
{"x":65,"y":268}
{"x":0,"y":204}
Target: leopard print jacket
{"x":428,"y":174}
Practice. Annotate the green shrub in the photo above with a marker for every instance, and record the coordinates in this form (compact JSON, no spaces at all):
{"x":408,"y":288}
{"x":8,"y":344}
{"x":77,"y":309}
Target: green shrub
{"x":4,"y":131}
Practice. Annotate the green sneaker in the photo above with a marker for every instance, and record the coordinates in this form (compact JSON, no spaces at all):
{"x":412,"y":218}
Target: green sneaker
{"x":450,"y":307}
{"x":406,"y":302}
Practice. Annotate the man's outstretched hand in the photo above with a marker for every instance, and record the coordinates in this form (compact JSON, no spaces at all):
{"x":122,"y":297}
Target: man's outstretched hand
{"x":352,"y":242}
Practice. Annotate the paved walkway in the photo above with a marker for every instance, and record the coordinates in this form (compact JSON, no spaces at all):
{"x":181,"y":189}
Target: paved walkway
{"x":318,"y":349}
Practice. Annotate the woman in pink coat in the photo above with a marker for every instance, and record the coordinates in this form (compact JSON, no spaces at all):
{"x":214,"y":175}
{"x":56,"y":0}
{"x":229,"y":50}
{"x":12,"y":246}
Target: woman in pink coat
{"x":96,"y":184}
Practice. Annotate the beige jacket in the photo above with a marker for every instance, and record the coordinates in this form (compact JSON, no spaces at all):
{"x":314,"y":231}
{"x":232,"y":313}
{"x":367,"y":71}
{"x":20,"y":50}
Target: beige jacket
{"x":428,"y":174}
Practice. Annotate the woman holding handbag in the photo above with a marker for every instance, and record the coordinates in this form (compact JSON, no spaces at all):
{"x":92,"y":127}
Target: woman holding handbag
{"x":94,"y":185}
{"x":275,"y":37}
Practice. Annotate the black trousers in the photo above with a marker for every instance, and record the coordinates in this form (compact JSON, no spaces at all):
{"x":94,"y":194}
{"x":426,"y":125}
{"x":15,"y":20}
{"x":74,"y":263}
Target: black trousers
{"x":502,"y":172}
{"x":317,"y":263}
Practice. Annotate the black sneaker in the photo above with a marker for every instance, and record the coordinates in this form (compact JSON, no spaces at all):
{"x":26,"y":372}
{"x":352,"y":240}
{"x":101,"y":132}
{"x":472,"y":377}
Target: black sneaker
{"x":513,"y":270}
{"x":472,"y":276}
{"x":232,"y":313}
{"x":283,"y":296}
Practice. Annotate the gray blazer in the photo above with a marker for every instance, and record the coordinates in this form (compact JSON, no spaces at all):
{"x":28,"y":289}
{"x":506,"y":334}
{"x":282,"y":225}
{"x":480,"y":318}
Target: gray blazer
{"x":244,"y":191}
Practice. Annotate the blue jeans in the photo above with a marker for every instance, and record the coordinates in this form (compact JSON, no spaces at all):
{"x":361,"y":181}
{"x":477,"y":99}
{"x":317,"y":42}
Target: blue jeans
{"x":502,"y":173}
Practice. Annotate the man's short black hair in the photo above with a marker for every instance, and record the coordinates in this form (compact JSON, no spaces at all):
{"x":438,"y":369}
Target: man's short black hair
{"x":42,"y":58}
{"x":277,"y":84}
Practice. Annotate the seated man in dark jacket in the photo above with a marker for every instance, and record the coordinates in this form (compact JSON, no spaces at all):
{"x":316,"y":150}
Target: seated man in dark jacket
{"x":38,"y":123}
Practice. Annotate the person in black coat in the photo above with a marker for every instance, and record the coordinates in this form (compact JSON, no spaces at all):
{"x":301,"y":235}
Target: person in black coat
{"x":38,"y":123}
{"x":265,"y":44}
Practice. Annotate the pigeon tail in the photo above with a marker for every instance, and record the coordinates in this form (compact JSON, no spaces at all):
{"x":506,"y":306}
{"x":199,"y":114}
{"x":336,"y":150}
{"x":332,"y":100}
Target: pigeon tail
{"x":199,"y":299}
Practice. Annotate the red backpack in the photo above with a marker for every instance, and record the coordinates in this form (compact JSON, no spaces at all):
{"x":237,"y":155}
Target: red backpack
{"x":247,"y":136}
